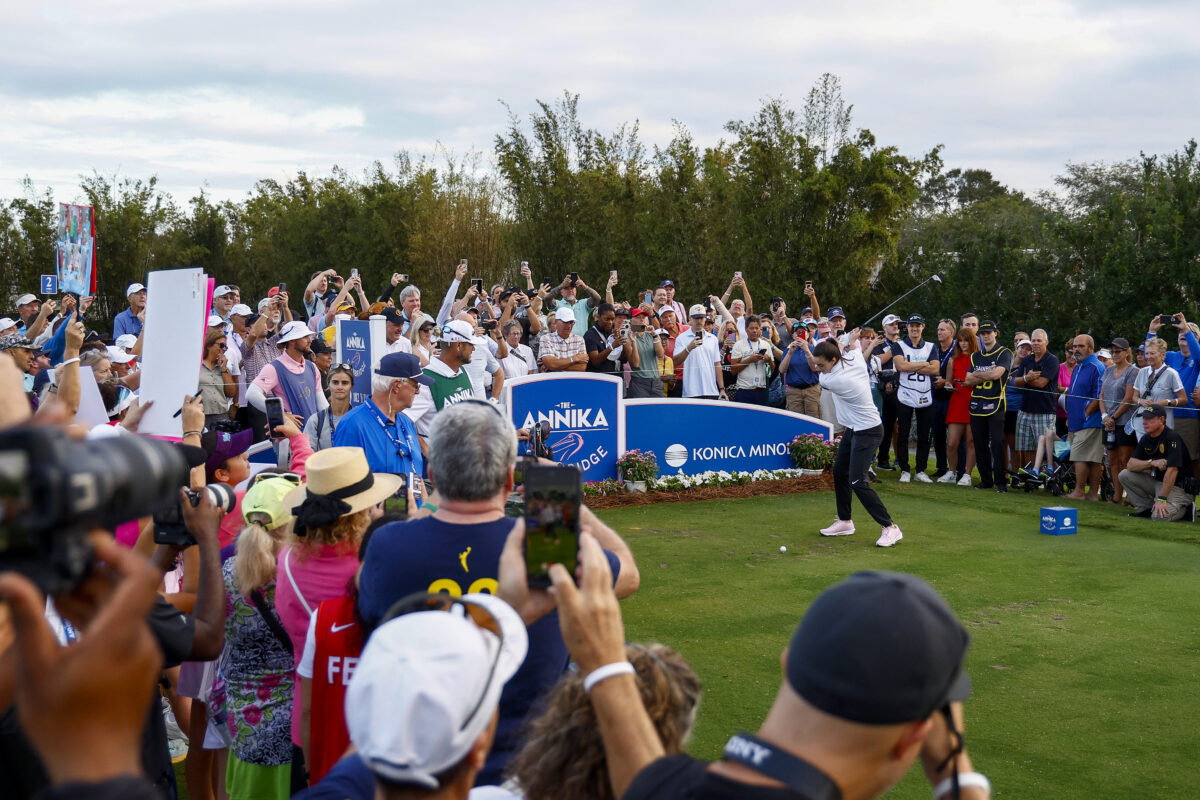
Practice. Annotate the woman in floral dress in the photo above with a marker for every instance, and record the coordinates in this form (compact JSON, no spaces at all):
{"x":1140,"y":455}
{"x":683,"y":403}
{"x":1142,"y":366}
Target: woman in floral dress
{"x":254,"y":686}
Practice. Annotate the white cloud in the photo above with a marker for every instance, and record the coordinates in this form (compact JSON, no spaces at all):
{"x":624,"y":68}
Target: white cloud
{"x":230,"y":92}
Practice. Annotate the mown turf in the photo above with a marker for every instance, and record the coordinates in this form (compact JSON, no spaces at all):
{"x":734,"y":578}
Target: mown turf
{"x":1084,"y":654}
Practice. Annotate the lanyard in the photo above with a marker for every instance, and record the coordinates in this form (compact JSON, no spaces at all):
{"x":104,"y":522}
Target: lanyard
{"x":799,"y":775}
{"x":403,"y":448}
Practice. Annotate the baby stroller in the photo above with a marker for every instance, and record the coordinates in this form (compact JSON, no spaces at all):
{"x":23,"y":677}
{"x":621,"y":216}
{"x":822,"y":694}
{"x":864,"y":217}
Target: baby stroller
{"x":1061,"y":479}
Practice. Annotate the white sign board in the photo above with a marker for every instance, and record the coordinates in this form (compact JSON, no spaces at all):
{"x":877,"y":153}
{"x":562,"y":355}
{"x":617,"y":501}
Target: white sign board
{"x":173,"y":346}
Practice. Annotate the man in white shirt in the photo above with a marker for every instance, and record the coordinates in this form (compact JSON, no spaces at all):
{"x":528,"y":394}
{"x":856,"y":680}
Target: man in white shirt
{"x":520,"y":360}
{"x":700,"y":354}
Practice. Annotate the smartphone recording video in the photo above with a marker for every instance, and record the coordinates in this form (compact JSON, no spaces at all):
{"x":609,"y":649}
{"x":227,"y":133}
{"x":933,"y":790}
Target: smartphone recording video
{"x":274,"y":417}
{"x":553,"y":496}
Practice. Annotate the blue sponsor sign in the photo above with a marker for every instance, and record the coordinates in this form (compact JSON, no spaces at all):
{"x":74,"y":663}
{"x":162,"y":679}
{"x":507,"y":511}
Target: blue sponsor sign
{"x":584,"y":412}
{"x":49,"y":284}
{"x":693,"y":436}
{"x":1060,"y":520}
{"x":359,"y":345}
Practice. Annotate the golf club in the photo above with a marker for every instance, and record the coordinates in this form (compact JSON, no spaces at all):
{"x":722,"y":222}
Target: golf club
{"x":935,"y":278}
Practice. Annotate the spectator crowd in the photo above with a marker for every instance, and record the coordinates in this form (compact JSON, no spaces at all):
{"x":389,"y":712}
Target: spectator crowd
{"x":360,"y":620}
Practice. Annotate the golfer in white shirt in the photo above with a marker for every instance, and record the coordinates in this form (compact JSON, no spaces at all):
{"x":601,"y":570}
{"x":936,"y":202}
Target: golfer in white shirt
{"x":844,"y":376}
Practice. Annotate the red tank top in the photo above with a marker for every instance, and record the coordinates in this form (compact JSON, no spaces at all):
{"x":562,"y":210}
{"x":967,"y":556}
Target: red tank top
{"x":339,"y":644}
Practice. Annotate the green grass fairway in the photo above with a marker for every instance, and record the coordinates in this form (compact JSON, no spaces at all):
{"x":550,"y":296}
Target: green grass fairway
{"x":1085,"y":648}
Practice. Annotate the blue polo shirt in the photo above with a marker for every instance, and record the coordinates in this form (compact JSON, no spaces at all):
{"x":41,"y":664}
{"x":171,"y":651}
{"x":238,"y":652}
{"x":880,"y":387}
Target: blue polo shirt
{"x":429,"y":555}
{"x":126,"y":322}
{"x":390,"y":446}
{"x":799,"y":374}
{"x":1085,"y":386}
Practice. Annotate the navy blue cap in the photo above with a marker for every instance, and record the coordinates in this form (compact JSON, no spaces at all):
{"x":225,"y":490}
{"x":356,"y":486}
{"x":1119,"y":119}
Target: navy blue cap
{"x":403,"y":365}
{"x":836,"y":311}
{"x":916,"y":319}
{"x":879,"y":648}
{"x":392,"y":315}
{"x":987,"y":326}
{"x":668,"y":282}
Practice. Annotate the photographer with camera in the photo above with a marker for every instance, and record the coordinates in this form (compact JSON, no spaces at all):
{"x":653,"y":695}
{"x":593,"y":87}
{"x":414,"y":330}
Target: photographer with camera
{"x":839,"y":726}
{"x":69,"y":530}
{"x":472,"y":453}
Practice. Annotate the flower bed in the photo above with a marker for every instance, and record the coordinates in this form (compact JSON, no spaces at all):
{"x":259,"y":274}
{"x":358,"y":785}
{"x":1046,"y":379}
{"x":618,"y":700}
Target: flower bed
{"x":707,"y":486}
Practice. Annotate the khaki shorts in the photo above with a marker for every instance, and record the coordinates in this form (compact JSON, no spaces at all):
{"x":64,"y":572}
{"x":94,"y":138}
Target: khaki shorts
{"x":1087,"y":445}
{"x":1189,"y":430}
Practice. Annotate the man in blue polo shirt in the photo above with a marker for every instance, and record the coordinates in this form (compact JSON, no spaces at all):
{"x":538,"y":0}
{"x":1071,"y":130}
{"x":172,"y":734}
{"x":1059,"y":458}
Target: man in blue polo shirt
{"x":472,"y":449}
{"x":1084,"y":422}
{"x":388,"y":437}
{"x":127,"y":321}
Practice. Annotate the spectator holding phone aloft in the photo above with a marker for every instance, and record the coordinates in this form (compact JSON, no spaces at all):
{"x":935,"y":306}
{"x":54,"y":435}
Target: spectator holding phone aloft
{"x":472,"y":452}
{"x":581,"y":309}
{"x":1185,"y":361}
{"x":699,"y":353}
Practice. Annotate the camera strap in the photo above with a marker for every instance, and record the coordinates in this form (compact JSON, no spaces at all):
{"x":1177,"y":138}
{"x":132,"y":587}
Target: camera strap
{"x":260,"y":602}
{"x":765,"y":759}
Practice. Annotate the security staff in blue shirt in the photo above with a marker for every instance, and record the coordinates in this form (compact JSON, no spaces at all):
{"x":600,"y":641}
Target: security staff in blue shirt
{"x":379,"y":426}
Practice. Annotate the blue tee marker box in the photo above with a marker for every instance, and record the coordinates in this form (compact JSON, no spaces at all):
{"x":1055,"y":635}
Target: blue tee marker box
{"x":1060,"y":520}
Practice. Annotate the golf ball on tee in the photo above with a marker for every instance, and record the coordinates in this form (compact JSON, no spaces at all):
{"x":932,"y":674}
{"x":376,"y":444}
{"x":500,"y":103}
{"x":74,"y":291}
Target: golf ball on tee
{"x":783,"y":548}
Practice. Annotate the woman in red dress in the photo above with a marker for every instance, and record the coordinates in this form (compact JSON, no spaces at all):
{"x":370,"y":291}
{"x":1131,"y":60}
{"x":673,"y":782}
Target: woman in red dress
{"x":958,"y":415}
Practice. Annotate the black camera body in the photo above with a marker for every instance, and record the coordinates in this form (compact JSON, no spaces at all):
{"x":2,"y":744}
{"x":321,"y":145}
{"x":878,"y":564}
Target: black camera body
{"x":1168,"y":319}
{"x":169,"y":527}
{"x":53,"y":490}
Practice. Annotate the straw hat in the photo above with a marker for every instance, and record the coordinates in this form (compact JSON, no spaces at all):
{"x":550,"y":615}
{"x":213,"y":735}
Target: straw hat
{"x":338,"y":483}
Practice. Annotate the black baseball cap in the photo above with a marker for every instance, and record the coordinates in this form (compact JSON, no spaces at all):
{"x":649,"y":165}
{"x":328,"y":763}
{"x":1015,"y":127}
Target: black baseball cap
{"x":987,"y":326}
{"x":392,"y":315}
{"x":1152,"y":411}
{"x":320,"y":346}
{"x":915,"y":319}
{"x":879,"y":648}
{"x":1119,"y":343}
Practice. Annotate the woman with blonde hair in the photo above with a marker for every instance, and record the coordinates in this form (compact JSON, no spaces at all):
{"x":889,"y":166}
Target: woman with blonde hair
{"x":332,"y":510}
{"x":420,"y":335}
{"x":563,"y":754}
{"x":253,"y":691}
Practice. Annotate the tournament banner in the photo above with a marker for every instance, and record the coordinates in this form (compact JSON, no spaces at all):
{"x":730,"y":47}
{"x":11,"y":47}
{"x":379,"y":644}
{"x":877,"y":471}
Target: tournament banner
{"x":693,"y":436}
{"x":584,"y":412}
{"x":75,"y":250}
{"x":360,"y":343}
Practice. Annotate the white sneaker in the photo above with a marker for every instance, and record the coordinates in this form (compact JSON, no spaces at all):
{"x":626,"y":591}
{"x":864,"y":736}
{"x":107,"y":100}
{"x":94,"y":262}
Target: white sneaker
{"x":889,"y":536}
{"x":965,"y":480}
{"x":905,"y":476}
{"x":923,"y":477}
{"x":839,"y":528}
{"x":948,"y":477}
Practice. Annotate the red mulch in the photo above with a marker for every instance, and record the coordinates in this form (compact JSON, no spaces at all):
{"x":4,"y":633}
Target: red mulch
{"x":808,"y":483}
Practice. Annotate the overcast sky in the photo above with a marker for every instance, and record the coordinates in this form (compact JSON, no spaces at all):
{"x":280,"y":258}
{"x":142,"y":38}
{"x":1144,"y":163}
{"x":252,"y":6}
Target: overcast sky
{"x":230,"y":91}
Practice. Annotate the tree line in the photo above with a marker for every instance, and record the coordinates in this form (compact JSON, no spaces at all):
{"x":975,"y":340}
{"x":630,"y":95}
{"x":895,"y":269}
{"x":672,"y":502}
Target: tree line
{"x":785,"y":196}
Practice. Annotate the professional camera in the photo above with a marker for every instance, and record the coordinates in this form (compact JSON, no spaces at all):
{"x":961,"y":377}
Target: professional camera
{"x":53,"y":490}
{"x":538,"y":444}
{"x":169,"y":527}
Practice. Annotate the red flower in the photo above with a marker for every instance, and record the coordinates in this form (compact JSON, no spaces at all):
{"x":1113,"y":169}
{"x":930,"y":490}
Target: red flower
{"x":252,"y":715}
